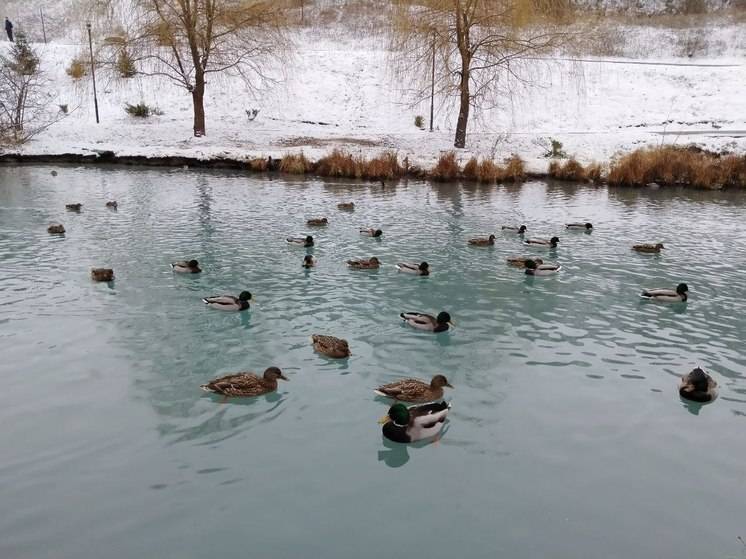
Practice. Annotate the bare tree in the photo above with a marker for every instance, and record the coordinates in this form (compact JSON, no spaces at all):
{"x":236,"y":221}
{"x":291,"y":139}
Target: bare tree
{"x":24,"y":97}
{"x":479,"y":47}
{"x":186,"y":40}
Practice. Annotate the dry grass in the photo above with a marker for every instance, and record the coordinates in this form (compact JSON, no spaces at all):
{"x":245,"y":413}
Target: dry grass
{"x":385,"y":166}
{"x":340,"y":163}
{"x":446,"y":169}
{"x":77,"y":69}
{"x":671,"y":165}
{"x":570,"y":170}
{"x":515,"y":169}
{"x":489,"y":172}
{"x":594,"y":172}
{"x":295,"y":164}
{"x":258,"y":164}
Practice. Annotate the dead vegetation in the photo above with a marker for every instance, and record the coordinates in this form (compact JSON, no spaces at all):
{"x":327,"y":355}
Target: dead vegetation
{"x":574,"y":171}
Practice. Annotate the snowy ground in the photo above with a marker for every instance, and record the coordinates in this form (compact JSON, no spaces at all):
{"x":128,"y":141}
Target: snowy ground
{"x":596,"y":108}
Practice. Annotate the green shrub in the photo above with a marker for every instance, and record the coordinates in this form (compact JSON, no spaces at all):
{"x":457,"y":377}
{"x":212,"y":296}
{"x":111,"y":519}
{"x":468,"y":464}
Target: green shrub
{"x":141,"y":110}
{"x":419,"y":121}
{"x":125,"y":65}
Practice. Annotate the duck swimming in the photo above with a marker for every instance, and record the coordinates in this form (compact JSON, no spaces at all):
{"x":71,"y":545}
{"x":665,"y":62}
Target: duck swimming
{"x":346,"y":206}
{"x":309,"y":261}
{"x":551,"y":243}
{"x":371,"y":263}
{"x":415,"y":390}
{"x":405,"y":424}
{"x":245,"y":385}
{"x":112,"y":204}
{"x":306,"y":241}
{"x":73,"y":207}
{"x":331,"y":346}
{"x":186,"y":267}
{"x":648,"y":248}
{"x":56,"y":229}
{"x":229,"y":302}
{"x":579,"y":226}
{"x":520,"y":261}
{"x":422,"y":269}
{"x":102,"y":274}
{"x":317,"y":222}
{"x":698,"y":386}
{"x":512,"y":229}
{"x":534,"y":269}
{"x":482,"y":241}
{"x":679,"y":295}
{"x":428,"y":322}
{"x":371,"y":232}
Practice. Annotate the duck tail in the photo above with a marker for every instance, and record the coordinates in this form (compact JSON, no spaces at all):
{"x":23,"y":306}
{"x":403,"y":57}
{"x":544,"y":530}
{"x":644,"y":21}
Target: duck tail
{"x":205,"y":301}
{"x":206,"y":388}
{"x":379,"y":393}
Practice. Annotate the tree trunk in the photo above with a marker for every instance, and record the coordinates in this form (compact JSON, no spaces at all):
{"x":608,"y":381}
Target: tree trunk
{"x":463,"y":114}
{"x":198,"y":100}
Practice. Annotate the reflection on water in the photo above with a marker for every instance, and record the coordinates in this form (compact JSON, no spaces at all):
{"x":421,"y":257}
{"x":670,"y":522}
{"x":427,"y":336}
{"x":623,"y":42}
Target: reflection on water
{"x":565,"y":398}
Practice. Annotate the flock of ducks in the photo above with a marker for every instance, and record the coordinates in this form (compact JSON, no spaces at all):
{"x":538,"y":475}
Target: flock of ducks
{"x":424,"y":419}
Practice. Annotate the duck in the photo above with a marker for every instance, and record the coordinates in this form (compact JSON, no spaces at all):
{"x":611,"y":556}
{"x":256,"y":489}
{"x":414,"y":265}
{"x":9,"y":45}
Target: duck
{"x":551,"y":243}
{"x":73,"y":207}
{"x":371,"y":263}
{"x":186,"y":267}
{"x":331,"y":346}
{"x":317,"y":222}
{"x":102,"y":274}
{"x":229,"y":302}
{"x":648,"y":248}
{"x":513,"y":229}
{"x":415,"y":390}
{"x":579,"y":226}
{"x":56,"y":229}
{"x":520,"y":261}
{"x":371,"y":232}
{"x":112,"y":204}
{"x":679,"y":295}
{"x":698,"y":386}
{"x":421,"y":269}
{"x":428,"y":322}
{"x":482,"y":241}
{"x":309,"y":261}
{"x":534,"y":269}
{"x":245,"y":385}
{"x":404,"y":424}
{"x":306,"y":241}
{"x":346,"y":205}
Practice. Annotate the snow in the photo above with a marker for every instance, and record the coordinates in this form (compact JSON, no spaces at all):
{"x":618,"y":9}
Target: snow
{"x":597,"y":108}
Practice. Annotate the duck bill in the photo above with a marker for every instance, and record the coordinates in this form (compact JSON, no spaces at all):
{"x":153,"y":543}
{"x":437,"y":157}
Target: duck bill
{"x":384,"y":420}
{"x":449,"y":385}
{"x":452,"y":323}
{"x":283,"y":377}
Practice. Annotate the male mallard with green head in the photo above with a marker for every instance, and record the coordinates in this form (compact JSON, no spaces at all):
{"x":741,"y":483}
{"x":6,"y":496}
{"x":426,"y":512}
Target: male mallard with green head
{"x":405,"y":424}
{"x":414,"y":390}
{"x":428,"y":322}
{"x":678,"y":295}
{"x":245,"y":385}
{"x":229,"y":302}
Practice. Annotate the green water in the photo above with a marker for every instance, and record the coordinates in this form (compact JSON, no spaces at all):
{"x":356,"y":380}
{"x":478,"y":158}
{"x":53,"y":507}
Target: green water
{"x":567,"y":438}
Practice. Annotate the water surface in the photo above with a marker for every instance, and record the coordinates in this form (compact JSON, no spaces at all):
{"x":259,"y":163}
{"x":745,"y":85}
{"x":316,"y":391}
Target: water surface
{"x":567,"y":438}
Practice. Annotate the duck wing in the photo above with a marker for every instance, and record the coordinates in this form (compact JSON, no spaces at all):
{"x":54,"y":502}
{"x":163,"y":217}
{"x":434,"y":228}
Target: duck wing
{"x":659,"y":293}
{"x":409,"y":388}
{"x":221,"y":300}
{"x":429,"y":414}
{"x":419,"y":320}
{"x":238,"y":384}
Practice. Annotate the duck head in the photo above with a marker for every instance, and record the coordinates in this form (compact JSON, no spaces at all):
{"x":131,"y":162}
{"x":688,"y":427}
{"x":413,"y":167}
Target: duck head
{"x":522,"y":229}
{"x":530,"y":264}
{"x":377,"y":233}
{"x":273,"y":373}
{"x":398,"y":413}
{"x":439,"y":381}
{"x":588,"y":226}
{"x":307,"y":261}
{"x":244,"y":296}
{"x":309,"y":241}
{"x":659,"y":246}
{"x":443,"y":318}
{"x":491,"y":238}
{"x":424,"y":267}
{"x":374,"y":260}
{"x":554,"y":241}
{"x":682,"y":289}
{"x":193,"y":263}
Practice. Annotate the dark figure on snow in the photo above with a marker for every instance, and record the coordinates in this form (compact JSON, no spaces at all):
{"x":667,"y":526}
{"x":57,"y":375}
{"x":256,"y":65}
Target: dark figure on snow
{"x":9,"y":29}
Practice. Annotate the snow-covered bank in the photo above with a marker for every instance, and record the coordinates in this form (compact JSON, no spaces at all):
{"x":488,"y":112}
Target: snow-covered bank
{"x":338,"y":93}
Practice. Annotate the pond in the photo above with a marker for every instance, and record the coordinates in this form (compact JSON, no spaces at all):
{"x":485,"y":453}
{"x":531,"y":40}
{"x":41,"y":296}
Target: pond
{"x":567,"y":437}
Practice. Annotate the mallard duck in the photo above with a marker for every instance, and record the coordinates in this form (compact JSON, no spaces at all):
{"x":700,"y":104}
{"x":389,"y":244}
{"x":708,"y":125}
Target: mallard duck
{"x":513,"y":229}
{"x":309,"y":261}
{"x":331,"y":346}
{"x":579,"y":226}
{"x":346,"y":205}
{"x":74,"y":207}
{"x":678,"y":295}
{"x":245,"y":385}
{"x":186,"y":267}
{"x":317,"y":222}
{"x":405,"y":424}
{"x":551,"y":243}
{"x":371,"y":263}
{"x":698,"y":386}
{"x":102,"y":274}
{"x":482,"y":241}
{"x":56,"y":229}
{"x":371,"y":232}
{"x":520,"y":261}
{"x":229,"y":302}
{"x":306,"y":241}
{"x":421,"y":269}
{"x":648,"y":248}
{"x":112,"y":204}
{"x":415,"y":390}
{"x":534,"y":269}
{"x":428,"y":322}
